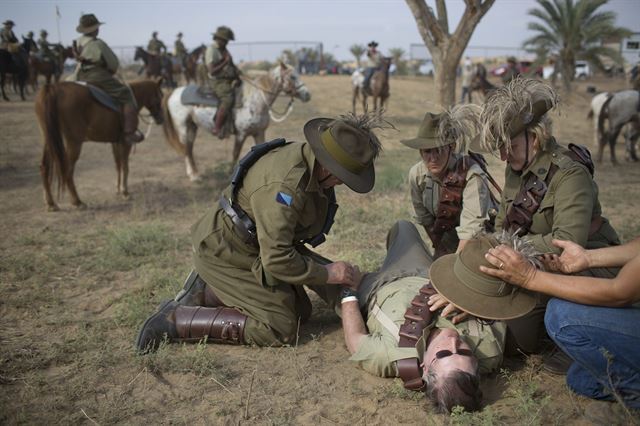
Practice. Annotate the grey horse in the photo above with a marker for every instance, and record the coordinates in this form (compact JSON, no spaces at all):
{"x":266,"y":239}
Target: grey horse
{"x":619,"y":108}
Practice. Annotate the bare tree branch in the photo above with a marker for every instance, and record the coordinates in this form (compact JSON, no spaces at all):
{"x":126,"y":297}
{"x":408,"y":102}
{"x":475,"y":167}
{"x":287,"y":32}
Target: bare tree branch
{"x":428,"y":25}
{"x":441,"y":7}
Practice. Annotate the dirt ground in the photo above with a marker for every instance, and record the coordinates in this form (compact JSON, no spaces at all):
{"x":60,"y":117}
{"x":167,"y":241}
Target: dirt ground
{"x":76,"y":285}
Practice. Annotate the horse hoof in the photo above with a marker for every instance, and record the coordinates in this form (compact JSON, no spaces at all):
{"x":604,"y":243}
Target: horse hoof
{"x":195,"y":178}
{"x":126,"y":195}
{"x":53,"y":208}
{"x":80,"y":206}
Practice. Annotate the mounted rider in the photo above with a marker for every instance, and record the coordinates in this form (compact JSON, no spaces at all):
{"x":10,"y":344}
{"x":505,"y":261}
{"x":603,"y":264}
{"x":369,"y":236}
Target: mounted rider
{"x":46,"y":53}
{"x":179,"y":50}
{"x":223,"y":76}
{"x":8,"y":40}
{"x":374,"y":63}
{"x":155,"y":46}
{"x":98,"y":64}
{"x":29,"y":43}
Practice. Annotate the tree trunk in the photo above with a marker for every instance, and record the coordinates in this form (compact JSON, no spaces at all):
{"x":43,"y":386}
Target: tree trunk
{"x":447,"y":49}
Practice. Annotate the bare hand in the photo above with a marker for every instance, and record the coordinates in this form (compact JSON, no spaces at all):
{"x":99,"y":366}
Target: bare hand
{"x":573,"y":258}
{"x":343,"y":273}
{"x":437,"y":301}
{"x":511,"y":266}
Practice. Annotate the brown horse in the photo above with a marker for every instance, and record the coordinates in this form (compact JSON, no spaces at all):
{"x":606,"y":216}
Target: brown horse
{"x":155,"y":66}
{"x":48,"y":69}
{"x":479,"y":82}
{"x":378,"y":86}
{"x":68,"y":116}
{"x":191,"y":63}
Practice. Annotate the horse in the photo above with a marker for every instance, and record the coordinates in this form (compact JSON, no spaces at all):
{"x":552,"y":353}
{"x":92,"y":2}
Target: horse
{"x":155,"y":66}
{"x":378,"y":86}
{"x":191,"y":63}
{"x":181,"y":122}
{"x":479,"y":82}
{"x":68,"y":115}
{"x":15,"y":64}
{"x":619,"y":109}
{"x":37,"y":65}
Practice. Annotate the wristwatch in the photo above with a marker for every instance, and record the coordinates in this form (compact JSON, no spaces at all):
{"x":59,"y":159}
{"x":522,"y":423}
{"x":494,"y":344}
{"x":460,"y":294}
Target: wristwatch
{"x":348,"y":292}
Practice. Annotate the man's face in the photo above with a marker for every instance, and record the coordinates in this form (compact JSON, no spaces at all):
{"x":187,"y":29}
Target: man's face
{"x":447,"y":339}
{"x":517,"y":157}
{"x":325,"y":179}
{"x":436,"y":159}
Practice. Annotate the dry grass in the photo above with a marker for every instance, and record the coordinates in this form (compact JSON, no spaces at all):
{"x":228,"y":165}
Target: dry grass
{"x":76,"y":285}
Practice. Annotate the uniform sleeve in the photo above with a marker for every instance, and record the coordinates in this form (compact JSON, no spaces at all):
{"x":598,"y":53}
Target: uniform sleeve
{"x":573,"y":202}
{"x":475,"y":207}
{"x":373,"y":355}
{"x":109,"y":57}
{"x":212,"y":55}
{"x":276,"y":209}
{"x":91,"y":52}
{"x":422,"y":216}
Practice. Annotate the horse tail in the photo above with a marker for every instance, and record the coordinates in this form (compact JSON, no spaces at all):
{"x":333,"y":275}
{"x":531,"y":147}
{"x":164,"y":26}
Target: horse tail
{"x":168,"y":128}
{"x":47,"y":106}
{"x":602,"y":116}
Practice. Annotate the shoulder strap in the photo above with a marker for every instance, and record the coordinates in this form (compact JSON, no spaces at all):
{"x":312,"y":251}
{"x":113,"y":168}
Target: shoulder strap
{"x":417,"y":318}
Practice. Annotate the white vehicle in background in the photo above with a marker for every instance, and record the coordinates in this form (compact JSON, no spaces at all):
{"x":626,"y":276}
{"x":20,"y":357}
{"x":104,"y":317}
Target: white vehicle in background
{"x":583,"y":70}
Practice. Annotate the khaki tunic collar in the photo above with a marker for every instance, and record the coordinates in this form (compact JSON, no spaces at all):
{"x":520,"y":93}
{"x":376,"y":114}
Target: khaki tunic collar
{"x":542,"y":161}
{"x":310,"y":161}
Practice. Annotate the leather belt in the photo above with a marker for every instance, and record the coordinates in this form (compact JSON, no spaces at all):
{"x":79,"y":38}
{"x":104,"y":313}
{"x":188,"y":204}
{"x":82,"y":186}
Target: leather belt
{"x":417,"y":318}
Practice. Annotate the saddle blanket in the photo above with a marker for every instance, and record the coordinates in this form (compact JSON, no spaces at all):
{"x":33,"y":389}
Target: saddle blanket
{"x":197,"y":95}
{"x":101,"y":96}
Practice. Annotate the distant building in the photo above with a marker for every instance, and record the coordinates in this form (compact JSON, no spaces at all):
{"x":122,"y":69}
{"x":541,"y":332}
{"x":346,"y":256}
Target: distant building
{"x":630,"y":49}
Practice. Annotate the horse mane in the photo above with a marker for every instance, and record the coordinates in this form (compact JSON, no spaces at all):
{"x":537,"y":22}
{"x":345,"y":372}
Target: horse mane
{"x":258,"y":80}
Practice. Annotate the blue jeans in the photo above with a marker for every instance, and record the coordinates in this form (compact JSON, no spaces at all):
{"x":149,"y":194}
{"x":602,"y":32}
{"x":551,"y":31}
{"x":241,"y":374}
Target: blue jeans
{"x":605,"y":346}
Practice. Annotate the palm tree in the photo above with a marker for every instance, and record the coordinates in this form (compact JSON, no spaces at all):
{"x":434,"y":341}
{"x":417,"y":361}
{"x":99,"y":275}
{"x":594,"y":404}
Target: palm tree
{"x":396,"y":54}
{"x":574,"y":30}
{"x":357,"y":50}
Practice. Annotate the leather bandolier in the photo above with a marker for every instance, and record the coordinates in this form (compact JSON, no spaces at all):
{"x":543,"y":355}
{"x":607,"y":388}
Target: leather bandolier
{"x":416,"y":318}
{"x":450,"y":205}
{"x":243,"y":224}
{"x":519,"y":216}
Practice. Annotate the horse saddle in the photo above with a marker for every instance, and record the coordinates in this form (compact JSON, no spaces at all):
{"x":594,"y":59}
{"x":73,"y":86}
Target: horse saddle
{"x":101,"y":96}
{"x":198,"y":95}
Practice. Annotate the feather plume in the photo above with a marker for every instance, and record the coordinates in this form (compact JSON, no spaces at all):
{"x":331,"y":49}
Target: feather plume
{"x":459,"y":125}
{"x":508,"y":102}
{"x":368,"y":122}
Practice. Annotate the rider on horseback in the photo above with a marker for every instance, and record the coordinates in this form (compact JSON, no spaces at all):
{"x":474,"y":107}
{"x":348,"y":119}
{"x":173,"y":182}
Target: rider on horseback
{"x":8,"y":40}
{"x":46,"y":53}
{"x":375,"y":62}
{"x":156,"y":47}
{"x":222,"y":74}
{"x":98,"y":64}
{"x":179,"y":51}
{"x":29,"y":43}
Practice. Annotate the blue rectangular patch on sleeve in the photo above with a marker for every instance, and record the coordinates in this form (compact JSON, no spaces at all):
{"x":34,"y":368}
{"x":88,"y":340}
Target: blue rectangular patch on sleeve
{"x":283,"y":198}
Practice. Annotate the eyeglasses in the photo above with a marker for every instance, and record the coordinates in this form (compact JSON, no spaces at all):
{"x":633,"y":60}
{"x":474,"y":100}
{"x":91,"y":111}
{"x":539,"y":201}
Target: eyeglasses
{"x":445,"y":353}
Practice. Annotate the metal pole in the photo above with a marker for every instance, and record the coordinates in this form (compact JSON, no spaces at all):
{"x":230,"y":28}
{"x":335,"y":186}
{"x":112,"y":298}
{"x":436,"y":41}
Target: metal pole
{"x":58,"y":23}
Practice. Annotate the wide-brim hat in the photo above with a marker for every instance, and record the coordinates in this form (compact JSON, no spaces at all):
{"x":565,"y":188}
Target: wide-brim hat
{"x":179,"y":35}
{"x":457,"y":277}
{"x":224,"y":33}
{"x":88,"y":24}
{"x":343,"y":150}
{"x":428,"y":133}
{"x":372,"y":44}
{"x":44,"y":32}
{"x":9,"y":22}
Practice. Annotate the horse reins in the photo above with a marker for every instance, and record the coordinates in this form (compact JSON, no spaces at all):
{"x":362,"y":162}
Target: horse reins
{"x":288,"y":108}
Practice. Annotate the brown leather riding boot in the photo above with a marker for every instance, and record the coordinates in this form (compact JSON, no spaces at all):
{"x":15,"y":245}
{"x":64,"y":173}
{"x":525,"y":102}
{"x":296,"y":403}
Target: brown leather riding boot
{"x":219,"y":325}
{"x":219,"y":119}
{"x":196,"y":292}
{"x":130,"y":125}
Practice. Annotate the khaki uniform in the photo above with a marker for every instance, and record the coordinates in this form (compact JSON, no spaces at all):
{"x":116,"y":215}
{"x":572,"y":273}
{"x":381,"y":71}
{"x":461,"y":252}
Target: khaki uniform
{"x":287,"y":205}
{"x":476,"y":202}
{"x":99,"y":68}
{"x":221,"y":83}
{"x":374,"y":60}
{"x":155,"y":46}
{"x":567,"y":208}
{"x":565,"y":213}
{"x":8,"y":40}
{"x":510,"y":74}
{"x":387,"y":294}
{"x":179,"y":50}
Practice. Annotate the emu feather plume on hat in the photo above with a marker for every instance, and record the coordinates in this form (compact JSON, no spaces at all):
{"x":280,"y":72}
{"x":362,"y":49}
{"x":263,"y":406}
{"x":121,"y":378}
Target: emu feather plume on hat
{"x":513,"y":108}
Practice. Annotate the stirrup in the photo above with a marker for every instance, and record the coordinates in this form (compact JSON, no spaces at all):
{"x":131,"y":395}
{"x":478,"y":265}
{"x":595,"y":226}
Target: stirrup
{"x":134,"y":138}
